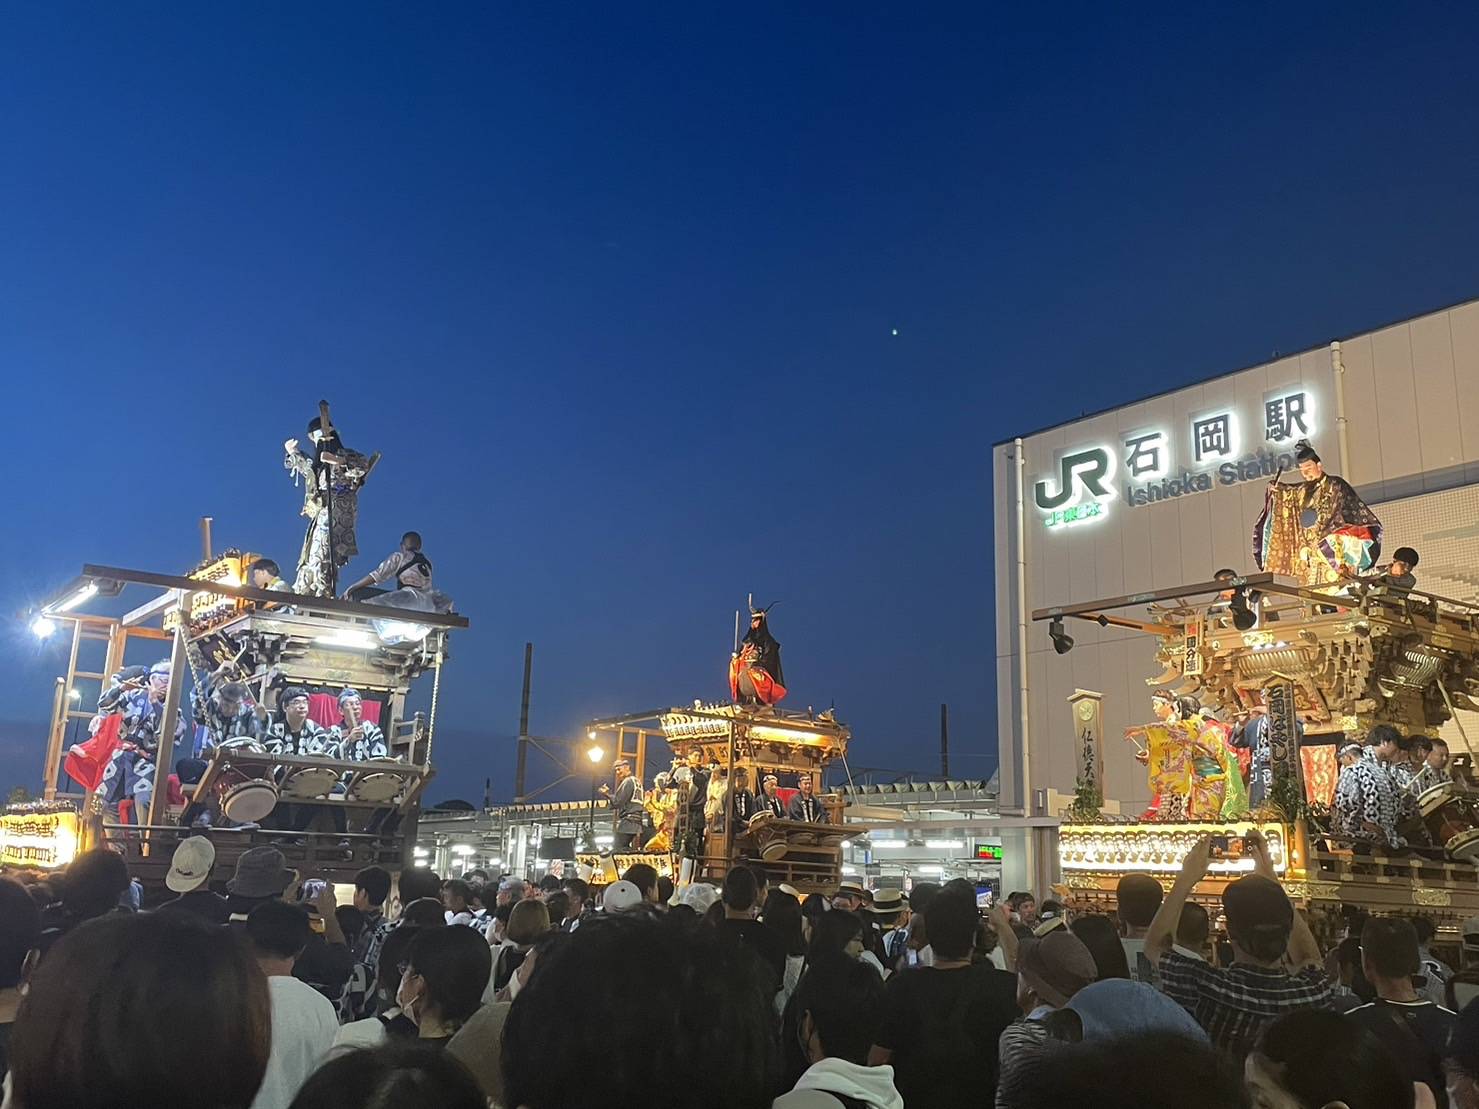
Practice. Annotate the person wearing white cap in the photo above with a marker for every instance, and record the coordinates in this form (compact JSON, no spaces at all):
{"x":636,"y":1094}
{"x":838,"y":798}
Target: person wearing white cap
{"x":189,"y":876}
{"x":621,"y":896}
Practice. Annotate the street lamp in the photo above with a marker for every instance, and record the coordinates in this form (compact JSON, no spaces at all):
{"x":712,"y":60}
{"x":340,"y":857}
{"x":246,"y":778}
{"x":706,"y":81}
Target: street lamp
{"x":595,"y":753}
{"x":42,"y":627}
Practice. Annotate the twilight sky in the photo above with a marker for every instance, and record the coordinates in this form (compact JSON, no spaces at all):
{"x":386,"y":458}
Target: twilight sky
{"x":649,"y":307}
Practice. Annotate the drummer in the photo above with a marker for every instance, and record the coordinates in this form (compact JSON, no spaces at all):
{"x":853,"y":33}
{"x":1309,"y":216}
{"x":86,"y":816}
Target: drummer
{"x":226,"y":715}
{"x":358,"y":739}
{"x":743,"y":805}
{"x":769,"y":797}
{"x":293,"y":733}
{"x":1434,"y":770}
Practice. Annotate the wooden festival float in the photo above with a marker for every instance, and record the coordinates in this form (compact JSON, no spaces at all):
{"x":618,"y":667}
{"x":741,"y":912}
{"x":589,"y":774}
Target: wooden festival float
{"x":725,"y":738}
{"x":1339,"y":661}
{"x":276,"y":639}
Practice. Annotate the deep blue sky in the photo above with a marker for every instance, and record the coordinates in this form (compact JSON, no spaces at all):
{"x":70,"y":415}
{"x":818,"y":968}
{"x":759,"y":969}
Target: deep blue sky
{"x":615,"y":292}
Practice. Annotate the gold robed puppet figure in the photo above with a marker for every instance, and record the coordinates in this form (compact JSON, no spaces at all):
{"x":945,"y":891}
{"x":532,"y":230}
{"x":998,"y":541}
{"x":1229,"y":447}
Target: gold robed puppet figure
{"x":1193,"y":773}
{"x":1317,"y":529}
{"x":661,"y":804}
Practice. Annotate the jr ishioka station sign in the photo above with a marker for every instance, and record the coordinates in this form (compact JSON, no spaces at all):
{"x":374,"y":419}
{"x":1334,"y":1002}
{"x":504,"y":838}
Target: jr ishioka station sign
{"x":1213,"y":448}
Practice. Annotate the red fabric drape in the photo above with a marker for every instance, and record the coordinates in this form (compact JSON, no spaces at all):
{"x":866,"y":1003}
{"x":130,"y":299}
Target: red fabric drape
{"x":323,"y":710}
{"x":87,"y":760}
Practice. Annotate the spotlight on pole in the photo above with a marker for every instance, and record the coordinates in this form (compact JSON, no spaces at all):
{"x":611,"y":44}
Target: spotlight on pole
{"x":595,"y":754}
{"x":1062,"y":641}
{"x":42,"y":627}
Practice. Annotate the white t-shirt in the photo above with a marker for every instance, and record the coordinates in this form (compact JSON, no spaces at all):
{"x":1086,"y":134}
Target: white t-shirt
{"x":1133,"y":950}
{"x":360,"y":1033}
{"x":303,"y":1030}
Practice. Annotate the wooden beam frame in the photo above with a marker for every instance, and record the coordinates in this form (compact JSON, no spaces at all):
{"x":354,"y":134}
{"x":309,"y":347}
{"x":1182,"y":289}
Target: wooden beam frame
{"x":273,"y":597}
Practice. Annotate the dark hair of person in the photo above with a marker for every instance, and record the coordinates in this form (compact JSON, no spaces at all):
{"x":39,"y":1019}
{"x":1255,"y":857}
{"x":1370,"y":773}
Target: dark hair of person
{"x":965,"y":885}
{"x":20,"y":924}
{"x":1348,"y":956}
{"x":813,"y":906}
{"x":1424,"y":929}
{"x":458,"y":889}
{"x":120,"y":1001}
{"x":1050,"y":908}
{"x":1150,"y":1071}
{"x":1193,"y":927}
{"x":41,"y":893}
{"x":351,"y":922}
{"x":279,"y":929}
{"x":846,"y":1002}
{"x":424,"y":911}
{"x":558,"y":905}
{"x":455,"y":964}
{"x":401,"y":1074}
{"x":93,"y":883}
{"x":412,"y":539}
{"x":951,"y":919}
{"x":706,"y":1030}
{"x":265,"y":564}
{"x":393,"y":954}
{"x":740,"y":889}
{"x":232,"y":691}
{"x":504,"y":912}
{"x":549,"y":883}
{"x":375,"y":882}
{"x":1016,"y":897}
{"x":714,"y":914}
{"x":685,"y":913}
{"x":920,"y":895}
{"x":1463,"y":1044}
{"x":1418,"y":743}
{"x":782,"y":915}
{"x":644,"y":877}
{"x":418,"y":882}
{"x":1102,"y":938}
{"x":665,"y":889}
{"x":1437,"y":742}
{"x":1383,"y":733}
{"x":832,"y":932}
{"x":1389,"y":944}
{"x":579,"y":890}
{"x":1139,"y":896}
{"x":1322,"y":1057}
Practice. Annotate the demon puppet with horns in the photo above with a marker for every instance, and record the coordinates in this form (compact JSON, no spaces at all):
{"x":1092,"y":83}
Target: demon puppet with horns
{"x":755,"y":675}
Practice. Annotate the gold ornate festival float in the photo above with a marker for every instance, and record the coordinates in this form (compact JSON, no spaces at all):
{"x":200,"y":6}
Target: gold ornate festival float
{"x":729,"y":741}
{"x":270,"y":639}
{"x":1330,"y":661}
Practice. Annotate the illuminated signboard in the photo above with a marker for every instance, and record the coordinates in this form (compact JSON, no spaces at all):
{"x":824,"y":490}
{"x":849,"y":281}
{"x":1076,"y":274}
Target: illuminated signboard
{"x":1159,"y":464}
{"x":46,"y":840}
{"x":988,"y":852}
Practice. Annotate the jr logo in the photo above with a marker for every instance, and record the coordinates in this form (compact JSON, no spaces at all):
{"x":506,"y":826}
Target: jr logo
{"x":1090,"y":468}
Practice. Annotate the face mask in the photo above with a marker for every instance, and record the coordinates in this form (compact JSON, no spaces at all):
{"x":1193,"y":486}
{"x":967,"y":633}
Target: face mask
{"x":406,"y":999}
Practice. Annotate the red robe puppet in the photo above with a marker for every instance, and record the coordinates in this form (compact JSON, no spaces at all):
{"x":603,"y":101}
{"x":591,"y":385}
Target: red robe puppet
{"x":755,"y":675}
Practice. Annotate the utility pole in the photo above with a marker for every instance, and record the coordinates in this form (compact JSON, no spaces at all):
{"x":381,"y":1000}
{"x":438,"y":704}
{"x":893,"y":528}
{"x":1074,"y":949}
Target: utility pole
{"x":524,"y":724}
{"x":944,"y":741}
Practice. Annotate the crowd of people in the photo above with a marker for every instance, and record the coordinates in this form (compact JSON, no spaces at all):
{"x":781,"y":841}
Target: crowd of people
{"x":261,"y":992}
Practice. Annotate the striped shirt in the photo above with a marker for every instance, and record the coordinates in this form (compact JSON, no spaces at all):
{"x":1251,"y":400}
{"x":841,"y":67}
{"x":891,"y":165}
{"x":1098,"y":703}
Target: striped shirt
{"x":1234,"y":1004}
